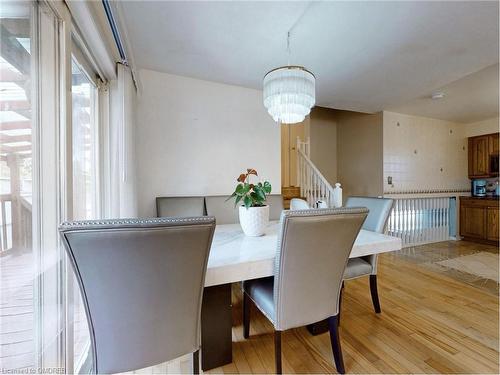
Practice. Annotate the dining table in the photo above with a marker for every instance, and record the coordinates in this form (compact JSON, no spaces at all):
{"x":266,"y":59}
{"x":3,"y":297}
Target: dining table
{"x":235,"y":257}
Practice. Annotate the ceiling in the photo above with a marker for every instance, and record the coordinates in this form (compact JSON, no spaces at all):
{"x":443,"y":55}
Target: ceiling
{"x":469,"y":99}
{"x":367,"y":56}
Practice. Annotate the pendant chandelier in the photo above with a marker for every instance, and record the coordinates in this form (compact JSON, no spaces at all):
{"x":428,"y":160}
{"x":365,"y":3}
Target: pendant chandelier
{"x":289,"y":92}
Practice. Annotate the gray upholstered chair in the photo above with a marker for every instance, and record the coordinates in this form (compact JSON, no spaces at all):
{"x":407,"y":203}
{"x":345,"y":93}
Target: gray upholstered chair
{"x":380,"y":209}
{"x":142,"y":286}
{"x":180,"y":206}
{"x":223,"y":209}
{"x":299,"y":204}
{"x":275,"y":202}
{"x":313,"y":248}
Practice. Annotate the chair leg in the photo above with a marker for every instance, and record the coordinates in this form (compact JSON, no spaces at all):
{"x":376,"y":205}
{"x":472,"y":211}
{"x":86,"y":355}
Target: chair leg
{"x":374,"y":293}
{"x":340,"y":303}
{"x":335,"y":341}
{"x":246,"y":316}
{"x":196,"y":362}
{"x":277,"y":351}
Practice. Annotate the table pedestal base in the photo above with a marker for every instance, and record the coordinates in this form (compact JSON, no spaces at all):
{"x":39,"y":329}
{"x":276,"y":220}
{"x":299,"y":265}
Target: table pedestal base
{"x":216,"y":326}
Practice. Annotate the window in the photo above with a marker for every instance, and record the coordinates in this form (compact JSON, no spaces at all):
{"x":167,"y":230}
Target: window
{"x":85,"y":192}
{"x":84,"y":130}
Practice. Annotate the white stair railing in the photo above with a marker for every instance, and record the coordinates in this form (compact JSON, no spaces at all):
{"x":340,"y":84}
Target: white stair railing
{"x":313,"y":185}
{"x":421,"y":220}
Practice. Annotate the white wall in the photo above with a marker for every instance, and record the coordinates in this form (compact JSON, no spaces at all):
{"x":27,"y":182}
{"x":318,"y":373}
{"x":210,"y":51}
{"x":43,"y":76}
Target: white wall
{"x":423,"y":153}
{"x":481,"y":127}
{"x":195,"y":137}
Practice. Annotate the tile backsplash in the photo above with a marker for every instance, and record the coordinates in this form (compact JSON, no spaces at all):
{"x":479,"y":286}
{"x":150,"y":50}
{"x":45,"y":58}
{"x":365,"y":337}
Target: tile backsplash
{"x":423,"y":154}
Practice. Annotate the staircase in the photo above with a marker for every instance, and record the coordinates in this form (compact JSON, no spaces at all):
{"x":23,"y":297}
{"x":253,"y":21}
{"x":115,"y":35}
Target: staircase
{"x":313,"y":185}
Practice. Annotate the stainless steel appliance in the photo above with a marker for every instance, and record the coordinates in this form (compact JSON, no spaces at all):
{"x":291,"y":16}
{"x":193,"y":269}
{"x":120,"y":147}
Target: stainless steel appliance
{"x":478,"y":188}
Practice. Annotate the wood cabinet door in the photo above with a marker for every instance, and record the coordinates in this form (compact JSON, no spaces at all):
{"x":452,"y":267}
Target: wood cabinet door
{"x":472,"y":222}
{"x":478,"y":156}
{"x":289,"y":134}
{"x":493,"y":143}
{"x":493,"y":223}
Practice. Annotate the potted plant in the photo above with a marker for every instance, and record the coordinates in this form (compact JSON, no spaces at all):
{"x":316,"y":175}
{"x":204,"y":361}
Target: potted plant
{"x":253,"y":211}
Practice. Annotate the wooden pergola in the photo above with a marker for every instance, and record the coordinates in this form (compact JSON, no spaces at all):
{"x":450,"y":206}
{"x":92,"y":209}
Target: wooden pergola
{"x":15,"y":130}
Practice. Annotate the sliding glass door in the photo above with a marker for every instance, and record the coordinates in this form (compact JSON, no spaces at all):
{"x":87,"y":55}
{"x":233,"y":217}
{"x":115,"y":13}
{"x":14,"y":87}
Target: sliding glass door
{"x":31,"y":305}
{"x":17,"y":259}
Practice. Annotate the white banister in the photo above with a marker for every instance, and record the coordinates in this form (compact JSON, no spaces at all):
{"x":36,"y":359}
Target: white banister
{"x":420,"y":219}
{"x":313,"y":185}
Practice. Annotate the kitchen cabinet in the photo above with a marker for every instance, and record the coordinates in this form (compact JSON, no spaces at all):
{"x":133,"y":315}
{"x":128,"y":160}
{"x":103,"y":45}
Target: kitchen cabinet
{"x":472,"y":223}
{"x":492,"y":223}
{"x":479,"y":219}
{"x":482,"y":149}
{"x":478,"y":156}
{"x":493,"y":143}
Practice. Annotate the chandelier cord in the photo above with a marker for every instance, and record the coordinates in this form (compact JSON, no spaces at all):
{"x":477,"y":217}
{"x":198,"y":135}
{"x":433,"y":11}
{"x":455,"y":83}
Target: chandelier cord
{"x":288,"y":49}
{"x":289,"y":32}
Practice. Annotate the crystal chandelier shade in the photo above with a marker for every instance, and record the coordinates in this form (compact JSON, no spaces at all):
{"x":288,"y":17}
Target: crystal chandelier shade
{"x":289,"y":94}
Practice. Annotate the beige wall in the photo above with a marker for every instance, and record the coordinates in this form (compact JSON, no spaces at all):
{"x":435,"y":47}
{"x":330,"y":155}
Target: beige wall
{"x":360,"y":153}
{"x":423,"y":154}
{"x":323,"y":136}
{"x":481,"y":127}
{"x":195,"y":137}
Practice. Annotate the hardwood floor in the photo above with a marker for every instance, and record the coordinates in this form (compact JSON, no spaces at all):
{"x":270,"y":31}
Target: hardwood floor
{"x":431,"y":322}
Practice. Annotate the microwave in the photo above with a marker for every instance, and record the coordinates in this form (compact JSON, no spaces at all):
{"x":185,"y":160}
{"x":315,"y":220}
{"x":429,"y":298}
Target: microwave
{"x":494,"y":165}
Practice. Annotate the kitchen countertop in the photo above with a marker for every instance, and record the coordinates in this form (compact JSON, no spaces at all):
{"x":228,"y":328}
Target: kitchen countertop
{"x":491,"y":198}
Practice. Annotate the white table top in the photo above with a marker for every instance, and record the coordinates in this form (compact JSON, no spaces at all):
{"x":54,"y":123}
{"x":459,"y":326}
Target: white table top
{"x":236,"y":257}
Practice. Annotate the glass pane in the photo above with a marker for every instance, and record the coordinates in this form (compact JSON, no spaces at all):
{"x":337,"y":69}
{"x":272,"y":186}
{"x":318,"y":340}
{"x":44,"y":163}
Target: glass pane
{"x":84,"y":145}
{"x":18,"y":324}
{"x":85,"y":201}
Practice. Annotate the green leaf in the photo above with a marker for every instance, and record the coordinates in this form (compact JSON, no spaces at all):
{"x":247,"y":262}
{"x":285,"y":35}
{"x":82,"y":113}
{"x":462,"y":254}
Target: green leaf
{"x":247,"y":201}
{"x":261,"y":195}
{"x":267,"y":187}
{"x":238,"y":199}
{"x":232,"y":196}
{"x":239,"y":188}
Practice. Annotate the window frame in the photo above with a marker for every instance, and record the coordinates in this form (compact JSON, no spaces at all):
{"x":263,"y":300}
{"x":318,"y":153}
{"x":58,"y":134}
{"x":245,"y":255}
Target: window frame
{"x":81,"y":56}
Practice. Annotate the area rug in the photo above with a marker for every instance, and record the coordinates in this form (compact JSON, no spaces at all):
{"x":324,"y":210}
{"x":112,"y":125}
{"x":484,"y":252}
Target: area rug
{"x":481,"y":264}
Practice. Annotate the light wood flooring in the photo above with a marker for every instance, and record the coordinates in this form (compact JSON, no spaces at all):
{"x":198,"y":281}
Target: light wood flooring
{"x":432,"y":321}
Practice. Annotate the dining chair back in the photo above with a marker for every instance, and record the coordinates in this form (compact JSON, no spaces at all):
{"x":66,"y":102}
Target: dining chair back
{"x":380,"y":208}
{"x":313,"y":248}
{"x":312,"y":254}
{"x":275,"y":202}
{"x":180,"y":206}
{"x":224,"y":210}
{"x":142,"y":283}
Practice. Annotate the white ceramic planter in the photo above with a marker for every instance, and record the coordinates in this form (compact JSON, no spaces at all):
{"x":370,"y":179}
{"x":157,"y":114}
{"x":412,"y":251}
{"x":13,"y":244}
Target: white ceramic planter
{"x":254,"y":220}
